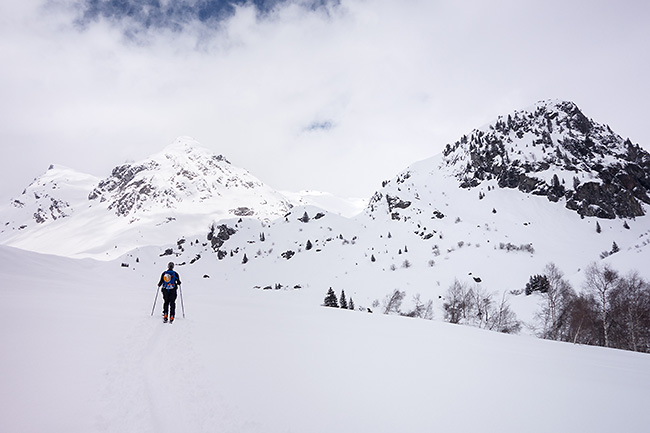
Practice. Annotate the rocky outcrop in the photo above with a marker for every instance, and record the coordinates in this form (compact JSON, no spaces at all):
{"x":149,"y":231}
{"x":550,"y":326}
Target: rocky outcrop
{"x":552,"y":149}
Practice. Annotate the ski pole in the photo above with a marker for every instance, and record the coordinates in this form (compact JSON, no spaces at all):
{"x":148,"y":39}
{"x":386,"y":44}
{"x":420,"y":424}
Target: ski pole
{"x":182,"y":306}
{"x":154,"y":301}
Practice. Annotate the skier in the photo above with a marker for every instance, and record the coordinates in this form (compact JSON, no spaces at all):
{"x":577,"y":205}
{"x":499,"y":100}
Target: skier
{"x":169,"y":281}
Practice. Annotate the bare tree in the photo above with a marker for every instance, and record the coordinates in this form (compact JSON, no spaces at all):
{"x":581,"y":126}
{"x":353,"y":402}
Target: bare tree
{"x":582,"y":321}
{"x":393,"y":302}
{"x":556,"y":301}
{"x":504,"y":319}
{"x":456,"y":302}
{"x":630,"y":313}
{"x":420,"y":309}
{"x":475,"y":306}
{"x":599,"y":281}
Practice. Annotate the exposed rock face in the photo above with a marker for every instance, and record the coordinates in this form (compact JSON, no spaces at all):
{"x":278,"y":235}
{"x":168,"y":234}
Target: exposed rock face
{"x":182,"y":175}
{"x":554,"y":150}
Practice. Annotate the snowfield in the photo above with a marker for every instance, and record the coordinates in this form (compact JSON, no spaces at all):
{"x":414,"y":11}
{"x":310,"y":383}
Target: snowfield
{"x":81,"y":353}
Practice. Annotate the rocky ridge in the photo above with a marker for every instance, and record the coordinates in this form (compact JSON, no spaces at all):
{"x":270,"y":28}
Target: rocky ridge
{"x":552,"y":149}
{"x":185,"y":172}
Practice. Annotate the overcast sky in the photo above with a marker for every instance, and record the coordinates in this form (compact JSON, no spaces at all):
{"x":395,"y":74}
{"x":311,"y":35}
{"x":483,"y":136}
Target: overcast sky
{"x":323,"y":95}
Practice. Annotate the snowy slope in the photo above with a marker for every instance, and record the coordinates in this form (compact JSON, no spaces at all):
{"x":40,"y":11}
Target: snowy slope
{"x":81,"y":354}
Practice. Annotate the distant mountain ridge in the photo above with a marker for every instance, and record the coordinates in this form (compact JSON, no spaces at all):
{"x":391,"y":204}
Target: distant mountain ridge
{"x":184,"y":185}
{"x":183,"y":176}
{"x":549,"y":150}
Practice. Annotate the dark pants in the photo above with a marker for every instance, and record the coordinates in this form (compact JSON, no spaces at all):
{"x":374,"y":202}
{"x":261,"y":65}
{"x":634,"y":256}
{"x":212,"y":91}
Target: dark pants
{"x":170,"y":302}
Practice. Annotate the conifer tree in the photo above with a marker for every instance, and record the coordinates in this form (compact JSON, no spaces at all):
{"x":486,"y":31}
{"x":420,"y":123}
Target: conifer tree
{"x":598,"y":229}
{"x":309,"y":245}
{"x":245,"y":259}
{"x":351,"y":305}
{"x":344,"y":302}
{"x":330,"y":299}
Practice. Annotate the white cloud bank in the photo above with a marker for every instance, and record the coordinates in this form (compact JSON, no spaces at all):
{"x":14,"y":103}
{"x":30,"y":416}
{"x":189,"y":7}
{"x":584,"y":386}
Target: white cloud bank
{"x":335,"y":100}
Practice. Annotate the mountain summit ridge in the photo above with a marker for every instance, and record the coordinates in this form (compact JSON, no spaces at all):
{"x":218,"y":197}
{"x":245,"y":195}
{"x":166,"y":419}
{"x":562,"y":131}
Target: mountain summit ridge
{"x":186,"y":173}
{"x":553,"y":149}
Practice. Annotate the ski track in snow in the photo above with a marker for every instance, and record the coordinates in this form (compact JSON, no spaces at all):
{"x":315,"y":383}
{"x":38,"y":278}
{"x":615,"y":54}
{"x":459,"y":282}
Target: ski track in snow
{"x":153,"y":385}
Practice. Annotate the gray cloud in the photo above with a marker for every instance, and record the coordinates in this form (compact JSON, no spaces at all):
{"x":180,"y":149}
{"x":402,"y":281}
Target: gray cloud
{"x":380,"y":83}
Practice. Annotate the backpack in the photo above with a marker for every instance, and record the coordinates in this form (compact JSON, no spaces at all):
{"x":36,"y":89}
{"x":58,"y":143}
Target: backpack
{"x":169,"y":280}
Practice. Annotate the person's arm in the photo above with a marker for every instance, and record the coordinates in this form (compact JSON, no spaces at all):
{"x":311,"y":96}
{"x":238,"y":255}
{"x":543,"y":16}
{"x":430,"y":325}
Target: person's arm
{"x":178,"y":279}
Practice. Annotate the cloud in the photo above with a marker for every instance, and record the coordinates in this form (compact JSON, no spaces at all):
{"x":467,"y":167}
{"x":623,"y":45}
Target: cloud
{"x":138,"y":16}
{"x":335,"y":96}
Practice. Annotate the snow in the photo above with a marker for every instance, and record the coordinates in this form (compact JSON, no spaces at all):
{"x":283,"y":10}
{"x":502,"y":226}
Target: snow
{"x":82,"y":353}
{"x":257,"y":352}
{"x":344,"y":206}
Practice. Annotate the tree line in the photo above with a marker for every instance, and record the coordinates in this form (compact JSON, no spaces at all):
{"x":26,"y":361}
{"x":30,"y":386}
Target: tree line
{"x":612,"y":310}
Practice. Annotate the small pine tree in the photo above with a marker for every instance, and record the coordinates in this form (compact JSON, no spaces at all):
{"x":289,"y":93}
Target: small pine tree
{"x":245,"y":259}
{"x":309,"y":245}
{"x":626,"y":225}
{"x":330,"y":299}
{"x":344,"y":302}
{"x":262,"y":237}
{"x":598,"y":229}
{"x":351,"y":305}
{"x":615,"y":248}
{"x":537,"y":283}
{"x":372,"y":258}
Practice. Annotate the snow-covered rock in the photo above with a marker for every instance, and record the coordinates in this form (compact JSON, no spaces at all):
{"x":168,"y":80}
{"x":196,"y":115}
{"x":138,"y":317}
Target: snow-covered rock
{"x":553,"y":149}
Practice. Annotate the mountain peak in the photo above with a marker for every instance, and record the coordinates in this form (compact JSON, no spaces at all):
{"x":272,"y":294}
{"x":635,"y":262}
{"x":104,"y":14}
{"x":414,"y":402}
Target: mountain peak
{"x":182,"y":175}
{"x":553,"y":149}
{"x":186,"y":147}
